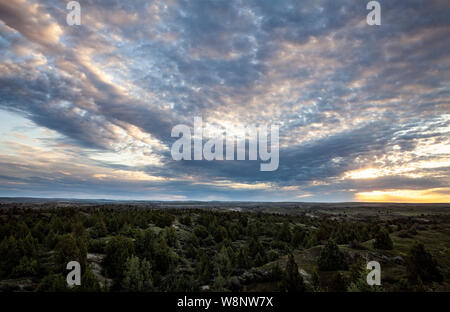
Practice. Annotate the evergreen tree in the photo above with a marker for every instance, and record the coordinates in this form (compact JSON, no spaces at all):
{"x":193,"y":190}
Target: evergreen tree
{"x":118,"y":250}
{"x":220,"y":234}
{"x":255,"y":247}
{"x":163,"y":260}
{"x":178,"y":283}
{"x":53,"y":283}
{"x":201,"y":231}
{"x":27,"y":266}
{"x":186,"y":220}
{"x":10,"y":255}
{"x":145,"y":244}
{"x":331,"y":258}
{"x":22,"y":230}
{"x":242,"y":258}
{"x":205,"y":268}
{"x":99,"y":229}
{"x":298,"y":237}
{"x":292,"y":280}
{"x":89,"y":282}
{"x":138,"y":275}
{"x":39,"y":231}
{"x":223,"y":263}
{"x":219,"y":282}
{"x":78,"y":229}
{"x":383,"y":241}
{"x":67,"y":250}
{"x":285,"y":233}
{"x":171,"y":236}
{"x":421,"y":266}
{"x":51,"y":240}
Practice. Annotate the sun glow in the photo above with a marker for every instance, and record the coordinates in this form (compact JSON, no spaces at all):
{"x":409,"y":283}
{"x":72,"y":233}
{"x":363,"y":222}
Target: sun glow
{"x":437,"y":195}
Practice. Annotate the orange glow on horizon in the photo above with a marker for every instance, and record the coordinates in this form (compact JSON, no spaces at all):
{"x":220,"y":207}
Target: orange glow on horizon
{"x":437,"y":195}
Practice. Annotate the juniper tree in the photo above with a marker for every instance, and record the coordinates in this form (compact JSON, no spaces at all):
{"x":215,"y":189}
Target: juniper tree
{"x":331,"y":258}
{"x":292,"y":280}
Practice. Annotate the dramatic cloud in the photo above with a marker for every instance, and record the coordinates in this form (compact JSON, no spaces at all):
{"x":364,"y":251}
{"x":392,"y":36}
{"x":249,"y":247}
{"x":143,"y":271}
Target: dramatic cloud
{"x":364,"y":111}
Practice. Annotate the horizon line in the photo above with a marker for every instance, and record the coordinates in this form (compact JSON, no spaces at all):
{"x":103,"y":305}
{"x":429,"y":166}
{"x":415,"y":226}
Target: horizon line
{"x":209,"y":201}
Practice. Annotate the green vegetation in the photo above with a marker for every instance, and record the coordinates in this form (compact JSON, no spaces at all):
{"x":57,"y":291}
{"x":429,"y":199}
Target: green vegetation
{"x":331,"y":258}
{"x":138,"y":275}
{"x":383,"y":241}
{"x":292,"y":280}
{"x":136,"y":248}
{"x":421,"y":266}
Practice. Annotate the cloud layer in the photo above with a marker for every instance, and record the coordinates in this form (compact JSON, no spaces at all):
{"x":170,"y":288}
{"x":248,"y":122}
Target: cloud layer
{"x":87,"y":111}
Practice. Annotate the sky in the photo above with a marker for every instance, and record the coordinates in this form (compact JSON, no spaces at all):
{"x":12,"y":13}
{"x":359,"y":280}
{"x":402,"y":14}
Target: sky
{"x":86,"y":111}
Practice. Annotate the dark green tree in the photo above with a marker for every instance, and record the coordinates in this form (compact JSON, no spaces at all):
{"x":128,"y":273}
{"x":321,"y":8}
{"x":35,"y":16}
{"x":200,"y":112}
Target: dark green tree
{"x":292,"y":280}
{"x":223,"y":262}
{"x":145,"y":244}
{"x":39,"y":231}
{"x":205,"y":268}
{"x":26,"y":267}
{"x":89,"y":283}
{"x":67,"y":249}
{"x":220,"y":234}
{"x":138,"y":275}
{"x":171,"y":236}
{"x":331,"y":258}
{"x":53,"y":283}
{"x":186,"y":220}
{"x":163,"y":260}
{"x":118,"y":250}
{"x":99,"y":230}
{"x":383,"y":241}
{"x":10,"y":255}
{"x":298,"y":237}
{"x":421,"y":266}
{"x":285,"y":233}
{"x":201,"y":232}
{"x":242,"y":258}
